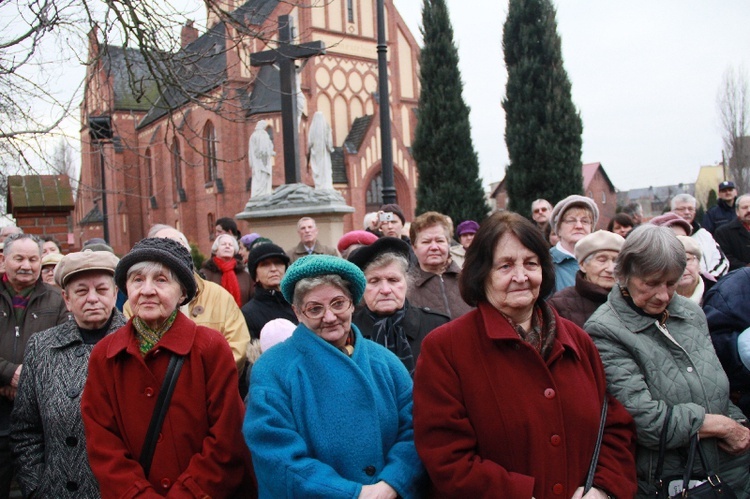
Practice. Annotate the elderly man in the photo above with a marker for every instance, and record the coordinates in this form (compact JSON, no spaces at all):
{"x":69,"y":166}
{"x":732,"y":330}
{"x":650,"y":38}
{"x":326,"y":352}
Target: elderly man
{"x":212,"y":306}
{"x":308,"y":241}
{"x":734,"y":237}
{"x":541,"y":209}
{"x":27,"y":306}
{"x":713,"y":260}
{"x":724,"y":211}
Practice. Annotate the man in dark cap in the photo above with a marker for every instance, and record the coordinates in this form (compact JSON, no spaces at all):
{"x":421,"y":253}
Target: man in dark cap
{"x":724,"y":210}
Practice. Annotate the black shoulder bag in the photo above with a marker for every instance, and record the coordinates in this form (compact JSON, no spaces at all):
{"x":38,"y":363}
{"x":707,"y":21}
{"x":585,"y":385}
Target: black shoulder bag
{"x":160,"y":411}
{"x":597,"y":448}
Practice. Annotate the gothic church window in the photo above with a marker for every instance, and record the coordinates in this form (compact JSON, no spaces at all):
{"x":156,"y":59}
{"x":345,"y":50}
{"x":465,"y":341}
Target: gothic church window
{"x":177,"y":171}
{"x":210,"y":163}
{"x":350,"y":10}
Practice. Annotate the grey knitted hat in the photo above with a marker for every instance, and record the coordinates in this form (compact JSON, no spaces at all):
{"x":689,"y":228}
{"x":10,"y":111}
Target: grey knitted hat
{"x":169,"y":253}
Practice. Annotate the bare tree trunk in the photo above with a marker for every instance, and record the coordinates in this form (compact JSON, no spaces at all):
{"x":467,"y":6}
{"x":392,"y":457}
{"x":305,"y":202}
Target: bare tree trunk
{"x":732,"y":102}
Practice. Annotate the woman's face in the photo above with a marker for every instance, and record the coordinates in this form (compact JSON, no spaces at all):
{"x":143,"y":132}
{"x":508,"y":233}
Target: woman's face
{"x":652,"y":295}
{"x":48,"y":274}
{"x":226,"y":247}
{"x":90,"y":297}
{"x":327,"y":312}
{"x":691,"y":276}
{"x":622,"y":230}
{"x":600,"y":268}
{"x":513,"y":284}
{"x":269,"y":272}
{"x":49,"y":247}
{"x":244,"y":253}
{"x":385,"y":292}
{"x":432,"y":248}
{"x":153,"y":295}
{"x":574,"y":225}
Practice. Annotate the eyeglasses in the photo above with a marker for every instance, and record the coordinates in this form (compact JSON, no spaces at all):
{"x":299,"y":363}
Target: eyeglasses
{"x":317,"y":310}
{"x":684,"y":208}
{"x":539,"y":210}
{"x":49,"y":269}
{"x":576,"y":221}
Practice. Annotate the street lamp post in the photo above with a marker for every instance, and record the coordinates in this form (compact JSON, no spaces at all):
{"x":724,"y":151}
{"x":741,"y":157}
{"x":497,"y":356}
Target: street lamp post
{"x":386,"y":153}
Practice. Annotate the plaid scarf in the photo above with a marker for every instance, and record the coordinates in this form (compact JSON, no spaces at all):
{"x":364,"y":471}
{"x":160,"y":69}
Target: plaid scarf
{"x":20,"y":301}
{"x":389,"y":332}
{"x":147,"y":337}
{"x":541,"y":335}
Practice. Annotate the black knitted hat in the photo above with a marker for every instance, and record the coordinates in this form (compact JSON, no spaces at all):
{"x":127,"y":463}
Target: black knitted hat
{"x":169,"y":253}
{"x":262,"y":252}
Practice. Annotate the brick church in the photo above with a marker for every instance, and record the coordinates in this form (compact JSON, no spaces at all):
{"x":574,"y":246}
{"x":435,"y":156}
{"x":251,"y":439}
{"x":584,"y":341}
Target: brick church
{"x":166,"y":156}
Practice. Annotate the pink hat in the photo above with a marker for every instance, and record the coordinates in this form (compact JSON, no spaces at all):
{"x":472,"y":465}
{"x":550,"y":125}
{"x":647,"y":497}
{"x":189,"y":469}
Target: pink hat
{"x":669,"y":219}
{"x":356,"y":237}
{"x":275,"y":332}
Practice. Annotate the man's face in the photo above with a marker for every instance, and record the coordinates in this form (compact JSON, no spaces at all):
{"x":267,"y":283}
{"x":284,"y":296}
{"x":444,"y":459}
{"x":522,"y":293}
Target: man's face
{"x":23,"y":264}
{"x":686,"y":210}
{"x":743,"y":210}
{"x":308,"y":232}
{"x":540,"y":211}
{"x":728,"y":195}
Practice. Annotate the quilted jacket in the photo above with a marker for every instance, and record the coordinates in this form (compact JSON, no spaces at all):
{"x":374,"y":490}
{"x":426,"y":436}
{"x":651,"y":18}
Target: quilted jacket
{"x":649,"y":371}
{"x":438,"y":293}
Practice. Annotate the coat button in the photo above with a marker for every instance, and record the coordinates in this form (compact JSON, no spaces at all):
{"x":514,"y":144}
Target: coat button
{"x":80,"y":351}
{"x":71,"y":486}
{"x":166,"y":483}
{"x":71,"y":441}
{"x":689,"y":369}
{"x":72,"y":392}
{"x":555,"y":440}
{"x":549,"y":393}
{"x":557,"y":489}
{"x":370,"y":470}
{"x":149,"y":392}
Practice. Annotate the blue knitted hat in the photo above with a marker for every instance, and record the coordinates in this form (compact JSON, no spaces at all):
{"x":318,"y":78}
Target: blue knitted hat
{"x":315,"y":265}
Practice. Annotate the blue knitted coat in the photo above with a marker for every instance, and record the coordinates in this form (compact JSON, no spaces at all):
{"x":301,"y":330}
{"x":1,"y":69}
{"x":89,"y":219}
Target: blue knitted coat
{"x":322,"y":424}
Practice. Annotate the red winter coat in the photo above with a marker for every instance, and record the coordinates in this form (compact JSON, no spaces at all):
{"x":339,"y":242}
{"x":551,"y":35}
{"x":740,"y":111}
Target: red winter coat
{"x":200,"y":451}
{"x":492,"y":419}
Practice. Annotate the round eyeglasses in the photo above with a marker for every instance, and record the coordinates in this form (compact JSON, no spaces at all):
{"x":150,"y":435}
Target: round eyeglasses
{"x":317,"y":310}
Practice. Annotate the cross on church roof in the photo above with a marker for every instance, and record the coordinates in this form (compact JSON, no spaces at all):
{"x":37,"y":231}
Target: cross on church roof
{"x":285,"y":55}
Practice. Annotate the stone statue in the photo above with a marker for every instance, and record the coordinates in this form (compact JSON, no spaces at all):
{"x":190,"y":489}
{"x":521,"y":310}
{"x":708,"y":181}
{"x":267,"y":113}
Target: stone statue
{"x":319,"y":149}
{"x":261,"y":152}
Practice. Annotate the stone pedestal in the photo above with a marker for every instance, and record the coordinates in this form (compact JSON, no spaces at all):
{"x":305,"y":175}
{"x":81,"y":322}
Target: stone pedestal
{"x":275,"y":215}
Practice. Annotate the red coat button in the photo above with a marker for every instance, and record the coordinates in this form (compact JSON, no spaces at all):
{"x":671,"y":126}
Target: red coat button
{"x":166,"y":483}
{"x":149,"y":392}
{"x":557,"y":489}
{"x":549,"y":393}
{"x":555,"y":440}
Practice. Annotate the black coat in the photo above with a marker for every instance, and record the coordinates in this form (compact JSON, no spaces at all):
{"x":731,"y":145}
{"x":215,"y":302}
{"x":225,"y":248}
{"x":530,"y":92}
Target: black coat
{"x":266,"y":305}
{"x":734,"y":240}
{"x":719,"y":215}
{"x":418,"y":322}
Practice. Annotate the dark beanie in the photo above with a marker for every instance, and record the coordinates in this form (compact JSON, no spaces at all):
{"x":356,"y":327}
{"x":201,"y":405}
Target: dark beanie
{"x":169,"y":253}
{"x":263,"y":252}
{"x":395,"y":209}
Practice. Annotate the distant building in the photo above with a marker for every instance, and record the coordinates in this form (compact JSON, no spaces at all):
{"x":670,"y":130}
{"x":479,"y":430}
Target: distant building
{"x":708,"y":180}
{"x":654,"y":200}
{"x":596,"y":185}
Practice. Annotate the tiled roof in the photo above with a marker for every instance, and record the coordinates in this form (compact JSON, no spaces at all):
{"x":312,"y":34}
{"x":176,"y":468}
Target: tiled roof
{"x":589,"y":170}
{"x":133,"y":85}
{"x":266,"y":94}
{"x":338,"y":166}
{"x":92,"y":217}
{"x":39,"y":192}
{"x":357,"y":133}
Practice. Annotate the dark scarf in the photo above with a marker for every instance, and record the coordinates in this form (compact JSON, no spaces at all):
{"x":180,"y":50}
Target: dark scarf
{"x":20,"y":301}
{"x":389,"y":332}
{"x":662,"y":317}
{"x":543,"y":330}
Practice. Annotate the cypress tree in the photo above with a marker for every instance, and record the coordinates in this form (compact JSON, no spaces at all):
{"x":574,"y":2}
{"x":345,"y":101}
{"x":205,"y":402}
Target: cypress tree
{"x":542,"y":126}
{"x":446,"y":160}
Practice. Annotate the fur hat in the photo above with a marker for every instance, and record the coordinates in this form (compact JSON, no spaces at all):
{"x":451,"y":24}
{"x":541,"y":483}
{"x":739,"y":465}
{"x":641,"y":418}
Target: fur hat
{"x":263,"y":252}
{"x":316,"y":265}
{"x":669,"y":219}
{"x":598,"y":241}
{"x":356,"y":237}
{"x":361,"y":257}
{"x":169,"y":253}
{"x":84,"y":261}
{"x":574,"y":201}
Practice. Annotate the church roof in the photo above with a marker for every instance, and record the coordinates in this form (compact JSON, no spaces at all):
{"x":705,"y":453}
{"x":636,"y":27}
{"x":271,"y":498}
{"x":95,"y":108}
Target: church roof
{"x":357,"y":133}
{"x":133,"y":86}
{"x":338,"y":166}
{"x":266,"y":94}
{"x":94,"y":216}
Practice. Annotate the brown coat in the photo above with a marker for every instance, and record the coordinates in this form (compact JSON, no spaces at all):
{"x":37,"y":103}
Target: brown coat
{"x":577,"y":303}
{"x":319,"y":249}
{"x":211,"y":272}
{"x":438,"y":293}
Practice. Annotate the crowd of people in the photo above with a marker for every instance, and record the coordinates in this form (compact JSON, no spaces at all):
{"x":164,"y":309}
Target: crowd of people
{"x":505,"y":357}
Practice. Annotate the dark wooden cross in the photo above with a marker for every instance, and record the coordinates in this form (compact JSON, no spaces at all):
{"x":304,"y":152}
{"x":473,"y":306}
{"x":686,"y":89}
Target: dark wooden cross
{"x":285,"y":55}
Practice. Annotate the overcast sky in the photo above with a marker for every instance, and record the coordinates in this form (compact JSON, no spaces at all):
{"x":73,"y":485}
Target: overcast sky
{"x":645,"y":76}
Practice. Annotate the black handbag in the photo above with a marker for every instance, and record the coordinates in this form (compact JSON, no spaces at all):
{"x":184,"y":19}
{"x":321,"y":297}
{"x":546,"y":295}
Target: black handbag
{"x":589,"y":483}
{"x":712,"y":486}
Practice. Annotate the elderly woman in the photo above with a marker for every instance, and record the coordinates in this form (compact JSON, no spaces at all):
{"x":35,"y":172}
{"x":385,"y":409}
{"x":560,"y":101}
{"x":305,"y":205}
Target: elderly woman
{"x":226,"y":269}
{"x":658,"y":356}
{"x":197,"y":450}
{"x":572,"y":219}
{"x":693,"y":283}
{"x":508,"y":398}
{"x":436,"y":277}
{"x":329,"y":413}
{"x":621,"y":224}
{"x":386,"y":317}
{"x":46,"y":426}
{"x":596,"y":254}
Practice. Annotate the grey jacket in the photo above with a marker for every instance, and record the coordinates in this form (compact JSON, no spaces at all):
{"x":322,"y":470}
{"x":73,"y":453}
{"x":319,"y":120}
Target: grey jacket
{"x":47,"y":436}
{"x":648,"y":371}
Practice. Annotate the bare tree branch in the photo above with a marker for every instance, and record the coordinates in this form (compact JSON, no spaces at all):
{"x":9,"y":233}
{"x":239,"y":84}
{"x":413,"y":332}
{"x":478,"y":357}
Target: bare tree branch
{"x":733,"y":106}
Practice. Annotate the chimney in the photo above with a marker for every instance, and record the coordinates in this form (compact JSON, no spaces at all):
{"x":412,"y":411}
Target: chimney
{"x":188,"y":34}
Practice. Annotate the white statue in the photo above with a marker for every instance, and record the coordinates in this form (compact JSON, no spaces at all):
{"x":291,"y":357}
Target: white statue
{"x":319,"y":149}
{"x":261,"y":152}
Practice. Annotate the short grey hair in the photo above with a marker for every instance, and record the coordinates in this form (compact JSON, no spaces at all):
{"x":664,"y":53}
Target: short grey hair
{"x":307,"y":284}
{"x":11,"y":239}
{"x":388,"y":258}
{"x":155,"y":229}
{"x":682,"y":198}
{"x":215,"y":245}
{"x":736,"y":202}
{"x":148,"y":267}
{"x":650,"y":251}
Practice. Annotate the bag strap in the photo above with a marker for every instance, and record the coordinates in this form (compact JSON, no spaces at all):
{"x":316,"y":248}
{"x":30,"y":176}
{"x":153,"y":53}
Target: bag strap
{"x":160,"y":411}
{"x":595,"y":459}
{"x":662,"y":450}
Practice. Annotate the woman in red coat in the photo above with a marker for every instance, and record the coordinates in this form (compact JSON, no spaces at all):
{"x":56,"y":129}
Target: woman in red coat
{"x":507,"y":398}
{"x":200,"y":451}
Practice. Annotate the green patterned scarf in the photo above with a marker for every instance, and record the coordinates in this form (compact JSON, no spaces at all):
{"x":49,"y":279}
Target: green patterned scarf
{"x":147,"y":337}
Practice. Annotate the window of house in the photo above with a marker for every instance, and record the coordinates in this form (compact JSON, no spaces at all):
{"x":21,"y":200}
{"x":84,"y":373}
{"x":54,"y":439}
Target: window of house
{"x":150,"y":173}
{"x":177,"y":168}
{"x":210,"y":163}
{"x":350,"y":10}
